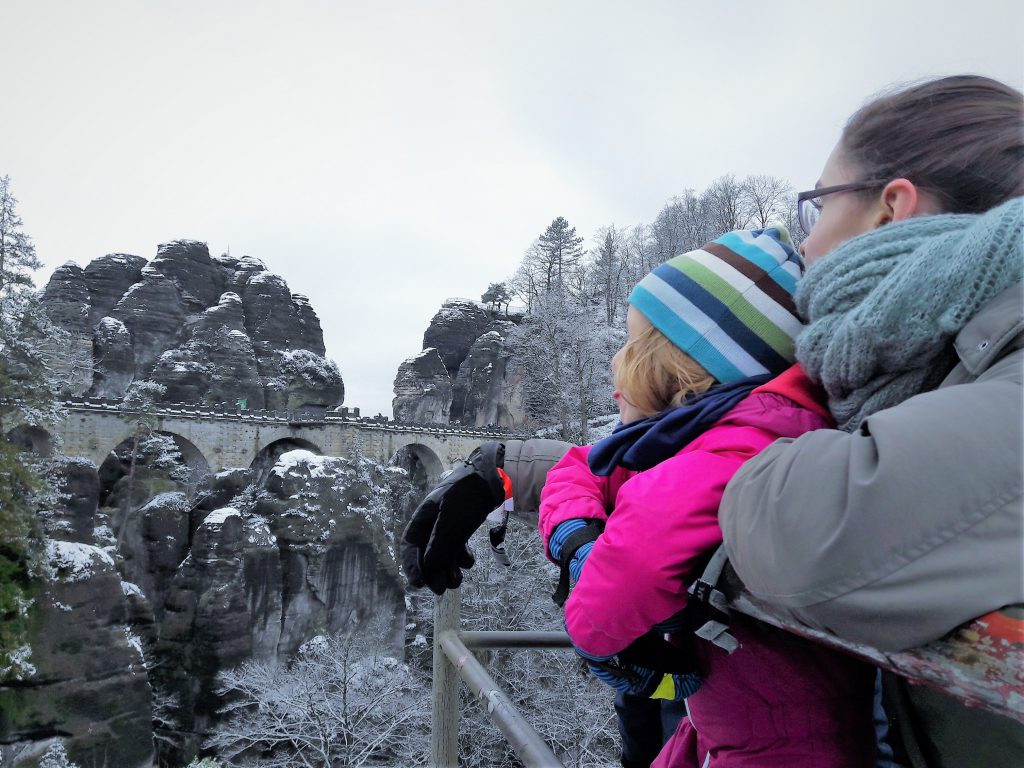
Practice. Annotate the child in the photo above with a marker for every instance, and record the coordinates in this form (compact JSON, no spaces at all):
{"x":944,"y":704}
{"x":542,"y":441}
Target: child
{"x":699,"y":392}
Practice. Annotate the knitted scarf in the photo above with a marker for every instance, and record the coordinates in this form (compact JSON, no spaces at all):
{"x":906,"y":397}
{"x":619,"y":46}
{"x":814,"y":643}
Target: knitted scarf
{"x":639,"y":445}
{"x":883,"y":309}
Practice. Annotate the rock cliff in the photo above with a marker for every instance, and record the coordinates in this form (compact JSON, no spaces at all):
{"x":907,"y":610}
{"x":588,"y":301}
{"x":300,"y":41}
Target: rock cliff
{"x":423,"y":390}
{"x":132,"y":629}
{"x":462,"y":375}
{"x":211,"y":329}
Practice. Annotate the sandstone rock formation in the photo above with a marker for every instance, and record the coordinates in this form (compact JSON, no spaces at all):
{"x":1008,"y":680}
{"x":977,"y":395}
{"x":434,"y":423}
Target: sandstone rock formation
{"x":312,"y":554}
{"x":453,"y":330}
{"x":88,"y":680}
{"x":481,"y":394}
{"x":423,"y":390}
{"x":211,"y":329}
{"x":113,"y":358}
{"x":462,"y":375}
{"x":66,"y":301}
{"x":66,"y":298}
{"x":133,"y":629}
{"x":109,"y":278}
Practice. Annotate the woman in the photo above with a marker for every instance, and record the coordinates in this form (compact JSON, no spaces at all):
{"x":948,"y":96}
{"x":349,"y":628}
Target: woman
{"x":906,"y":521}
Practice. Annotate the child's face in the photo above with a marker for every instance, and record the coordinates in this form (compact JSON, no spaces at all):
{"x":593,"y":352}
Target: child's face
{"x":635,"y":324}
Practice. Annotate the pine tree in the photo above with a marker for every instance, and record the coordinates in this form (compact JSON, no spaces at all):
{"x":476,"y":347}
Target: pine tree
{"x":27,"y":398}
{"x":497,"y":295}
{"x":559,"y":250}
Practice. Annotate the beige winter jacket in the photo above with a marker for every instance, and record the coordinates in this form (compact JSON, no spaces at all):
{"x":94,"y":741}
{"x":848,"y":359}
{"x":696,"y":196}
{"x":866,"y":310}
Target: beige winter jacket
{"x":897,"y":533}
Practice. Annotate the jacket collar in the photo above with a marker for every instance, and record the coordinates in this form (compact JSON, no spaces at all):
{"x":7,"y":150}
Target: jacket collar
{"x":996,"y":326}
{"x":794,"y":384}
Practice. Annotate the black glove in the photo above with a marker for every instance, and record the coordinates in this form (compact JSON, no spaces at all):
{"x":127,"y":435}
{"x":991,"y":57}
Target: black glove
{"x":434,"y":542}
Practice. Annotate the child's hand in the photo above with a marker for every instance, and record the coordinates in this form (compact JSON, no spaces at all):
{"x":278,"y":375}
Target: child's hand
{"x":645,"y":683}
{"x":650,"y":667}
{"x":434,"y":542}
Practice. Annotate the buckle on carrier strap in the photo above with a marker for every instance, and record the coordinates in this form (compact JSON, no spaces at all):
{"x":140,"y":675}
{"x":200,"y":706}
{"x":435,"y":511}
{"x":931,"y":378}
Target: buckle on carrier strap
{"x":711,"y":602}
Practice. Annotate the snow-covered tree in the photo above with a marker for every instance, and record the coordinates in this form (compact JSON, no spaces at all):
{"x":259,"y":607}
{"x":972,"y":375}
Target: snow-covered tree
{"x":609,"y":269}
{"x":341,"y":702}
{"x":528,"y":281}
{"x":56,"y":757}
{"x":563,"y":355}
{"x":27,"y":399}
{"x":727,"y":206}
{"x":564,"y":703}
{"x":767,"y":198}
{"x":18,"y":258}
{"x":789,"y":219}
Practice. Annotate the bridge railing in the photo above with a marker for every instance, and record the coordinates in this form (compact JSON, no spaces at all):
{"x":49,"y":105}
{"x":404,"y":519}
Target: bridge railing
{"x":298,"y":417}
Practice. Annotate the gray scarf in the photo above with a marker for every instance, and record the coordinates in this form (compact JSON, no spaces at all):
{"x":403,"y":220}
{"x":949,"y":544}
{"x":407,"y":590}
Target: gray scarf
{"x":883,"y":309}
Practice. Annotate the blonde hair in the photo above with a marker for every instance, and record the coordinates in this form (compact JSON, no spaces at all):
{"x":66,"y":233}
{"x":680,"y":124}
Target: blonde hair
{"x":653,"y":374}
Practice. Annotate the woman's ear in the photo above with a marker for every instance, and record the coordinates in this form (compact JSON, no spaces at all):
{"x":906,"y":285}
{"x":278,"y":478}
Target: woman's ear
{"x":899,"y":200}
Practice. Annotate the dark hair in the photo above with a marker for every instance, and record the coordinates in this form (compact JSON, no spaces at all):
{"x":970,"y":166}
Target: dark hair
{"x":960,"y":138}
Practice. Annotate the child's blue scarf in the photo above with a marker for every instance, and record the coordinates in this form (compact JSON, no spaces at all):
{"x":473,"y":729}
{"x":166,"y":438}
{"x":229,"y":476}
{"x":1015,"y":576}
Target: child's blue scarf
{"x":642,"y":444}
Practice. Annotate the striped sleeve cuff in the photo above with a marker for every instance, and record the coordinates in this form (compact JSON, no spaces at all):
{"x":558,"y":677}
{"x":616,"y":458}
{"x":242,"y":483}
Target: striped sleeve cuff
{"x":563,"y":532}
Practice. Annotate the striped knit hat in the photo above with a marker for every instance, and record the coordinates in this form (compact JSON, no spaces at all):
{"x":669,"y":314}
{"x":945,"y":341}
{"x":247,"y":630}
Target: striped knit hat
{"x":728,"y":305}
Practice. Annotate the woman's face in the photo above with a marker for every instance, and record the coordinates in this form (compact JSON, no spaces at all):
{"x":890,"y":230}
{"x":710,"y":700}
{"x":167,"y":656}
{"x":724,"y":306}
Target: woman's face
{"x":844,"y":215}
{"x":635,"y":324}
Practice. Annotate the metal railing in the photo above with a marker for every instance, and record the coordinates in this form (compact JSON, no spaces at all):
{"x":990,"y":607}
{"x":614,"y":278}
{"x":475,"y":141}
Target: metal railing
{"x":454,"y":659}
{"x":981,"y":664}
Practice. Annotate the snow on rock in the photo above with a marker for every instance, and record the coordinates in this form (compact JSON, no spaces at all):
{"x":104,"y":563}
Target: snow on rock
{"x":218,"y":516}
{"x":170,"y":499}
{"x":134,"y":642}
{"x":267,"y":278}
{"x":76,"y":562}
{"x":258,"y":533}
{"x":130,"y":589}
{"x":288,"y":461}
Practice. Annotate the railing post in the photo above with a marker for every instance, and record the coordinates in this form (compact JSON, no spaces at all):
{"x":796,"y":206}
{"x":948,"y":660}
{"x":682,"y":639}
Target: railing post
{"x":444,"y":734}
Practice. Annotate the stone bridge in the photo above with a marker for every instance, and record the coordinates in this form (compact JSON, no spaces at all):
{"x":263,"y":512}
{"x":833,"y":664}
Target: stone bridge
{"x":217,"y":438}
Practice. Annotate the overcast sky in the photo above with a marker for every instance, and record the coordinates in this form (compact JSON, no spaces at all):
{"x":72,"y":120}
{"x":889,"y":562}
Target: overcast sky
{"x":383,"y":156}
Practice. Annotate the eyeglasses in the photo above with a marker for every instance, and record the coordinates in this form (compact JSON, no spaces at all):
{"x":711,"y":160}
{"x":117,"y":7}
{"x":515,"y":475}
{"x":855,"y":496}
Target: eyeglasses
{"x":808,"y":204}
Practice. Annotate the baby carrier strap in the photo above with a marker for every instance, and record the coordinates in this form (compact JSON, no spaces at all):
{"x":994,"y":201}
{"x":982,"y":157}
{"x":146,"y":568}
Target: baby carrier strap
{"x":576,"y":539}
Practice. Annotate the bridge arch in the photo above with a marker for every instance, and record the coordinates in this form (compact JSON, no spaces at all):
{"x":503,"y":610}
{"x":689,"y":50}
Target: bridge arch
{"x":421,"y":462}
{"x":268,"y":455}
{"x":112,"y":466}
{"x":191,"y":455}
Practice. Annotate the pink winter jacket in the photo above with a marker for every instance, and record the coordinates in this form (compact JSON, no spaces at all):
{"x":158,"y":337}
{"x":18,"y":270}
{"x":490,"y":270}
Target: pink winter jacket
{"x":666,"y":518}
{"x":778,"y":700}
